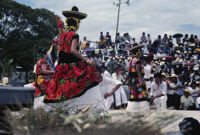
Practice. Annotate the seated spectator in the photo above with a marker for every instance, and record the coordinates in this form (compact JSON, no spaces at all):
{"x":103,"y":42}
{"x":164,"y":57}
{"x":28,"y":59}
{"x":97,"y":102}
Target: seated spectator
{"x":198,"y":103}
{"x":148,"y":40}
{"x":191,"y":40}
{"x":187,"y":102}
{"x":186,"y":39}
{"x":194,"y":90}
{"x":118,"y":38}
{"x":173,"y":100}
{"x":108,"y":39}
{"x":158,"y":92}
{"x":102,"y":41}
{"x":83,"y":43}
{"x":143,"y":38}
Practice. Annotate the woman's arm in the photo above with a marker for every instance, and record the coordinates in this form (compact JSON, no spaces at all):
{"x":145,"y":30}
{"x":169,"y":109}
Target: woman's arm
{"x":45,"y":70}
{"x":113,"y":91}
{"x":77,"y":54}
{"x":139,"y":74}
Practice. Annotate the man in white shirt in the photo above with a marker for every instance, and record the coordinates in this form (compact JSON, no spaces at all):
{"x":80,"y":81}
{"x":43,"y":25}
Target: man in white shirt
{"x":120,"y":95}
{"x":194,"y":90}
{"x":198,"y":103}
{"x":187,"y":102}
{"x":173,"y":101}
{"x":158,"y":92}
{"x":149,"y":84}
{"x":108,"y":87}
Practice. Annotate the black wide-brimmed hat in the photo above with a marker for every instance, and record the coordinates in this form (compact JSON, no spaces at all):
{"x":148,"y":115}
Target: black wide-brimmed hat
{"x":74,"y":12}
{"x":136,"y":48}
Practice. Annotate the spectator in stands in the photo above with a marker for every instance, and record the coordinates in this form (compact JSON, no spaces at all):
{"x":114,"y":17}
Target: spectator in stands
{"x":148,"y":39}
{"x":191,"y":39}
{"x":196,"y":39}
{"x":143,"y":38}
{"x":187,"y":102}
{"x":108,"y":39}
{"x":194,"y":90}
{"x":118,"y":38}
{"x":102,"y":41}
{"x":198,"y":103}
{"x":158,"y":92}
{"x":173,"y":100}
{"x":83,"y":43}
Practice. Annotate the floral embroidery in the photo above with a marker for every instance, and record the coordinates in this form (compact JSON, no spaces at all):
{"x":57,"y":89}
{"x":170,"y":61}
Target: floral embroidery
{"x":70,"y":79}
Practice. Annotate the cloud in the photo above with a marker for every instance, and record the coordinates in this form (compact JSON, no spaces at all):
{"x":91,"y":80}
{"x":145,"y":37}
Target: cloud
{"x":151,"y":16}
{"x":189,"y":28}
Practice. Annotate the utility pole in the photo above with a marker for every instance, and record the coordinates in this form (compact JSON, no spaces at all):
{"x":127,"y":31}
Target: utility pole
{"x":118,"y":14}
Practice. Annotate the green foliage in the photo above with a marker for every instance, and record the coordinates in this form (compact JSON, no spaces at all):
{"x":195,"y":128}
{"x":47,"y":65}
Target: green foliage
{"x":6,"y":67}
{"x":24,"y":30}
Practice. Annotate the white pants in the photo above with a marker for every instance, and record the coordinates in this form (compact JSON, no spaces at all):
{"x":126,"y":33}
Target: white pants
{"x":161,"y":102}
{"x":120,"y":97}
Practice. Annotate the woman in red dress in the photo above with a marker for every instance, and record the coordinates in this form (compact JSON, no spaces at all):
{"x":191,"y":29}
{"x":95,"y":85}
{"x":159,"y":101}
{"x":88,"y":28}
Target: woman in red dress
{"x":74,"y":74}
{"x":43,"y":75}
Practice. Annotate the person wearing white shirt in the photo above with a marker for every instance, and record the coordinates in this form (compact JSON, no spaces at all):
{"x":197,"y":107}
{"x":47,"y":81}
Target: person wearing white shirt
{"x":173,"y":100}
{"x":104,"y":72}
{"x":158,"y":92}
{"x":194,"y":90}
{"x":108,"y":87}
{"x":187,"y":102}
{"x":198,"y":103}
{"x":147,"y":71}
{"x":120,"y":95}
{"x":149,"y":84}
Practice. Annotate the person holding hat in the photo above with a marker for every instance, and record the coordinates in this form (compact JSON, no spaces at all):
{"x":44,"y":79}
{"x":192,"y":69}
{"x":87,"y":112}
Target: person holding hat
{"x":74,"y":74}
{"x":187,"y":102}
{"x":158,"y":92}
{"x":173,"y":85}
{"x":43,"y":74}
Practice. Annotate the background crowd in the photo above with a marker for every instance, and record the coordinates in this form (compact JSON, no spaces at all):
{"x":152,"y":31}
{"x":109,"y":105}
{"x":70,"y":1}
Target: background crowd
{"x":176,"y":57}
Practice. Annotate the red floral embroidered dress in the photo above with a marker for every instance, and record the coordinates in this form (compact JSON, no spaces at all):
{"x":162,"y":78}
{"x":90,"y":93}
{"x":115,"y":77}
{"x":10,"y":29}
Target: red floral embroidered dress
{"x":72,"y":77}
{"x":42,"y":80}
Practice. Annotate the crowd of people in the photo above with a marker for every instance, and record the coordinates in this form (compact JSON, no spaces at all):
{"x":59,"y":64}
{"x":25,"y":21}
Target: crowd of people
{"x":170,"y":67}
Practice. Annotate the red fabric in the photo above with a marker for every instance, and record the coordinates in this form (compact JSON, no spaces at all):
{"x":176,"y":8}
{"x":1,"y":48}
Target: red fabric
{"x":65,"y":41}
{"x":40,"y":89}
{"x":70,"y":79}
{"x":39,"y":64}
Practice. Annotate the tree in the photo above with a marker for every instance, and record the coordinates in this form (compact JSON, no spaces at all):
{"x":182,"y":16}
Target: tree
{"x":23,"y":31}
{"x":6,"y":67}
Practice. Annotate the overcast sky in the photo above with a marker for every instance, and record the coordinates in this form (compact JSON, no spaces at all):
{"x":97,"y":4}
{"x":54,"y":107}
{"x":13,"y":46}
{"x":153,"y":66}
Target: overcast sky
{"x":149,"y":16}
